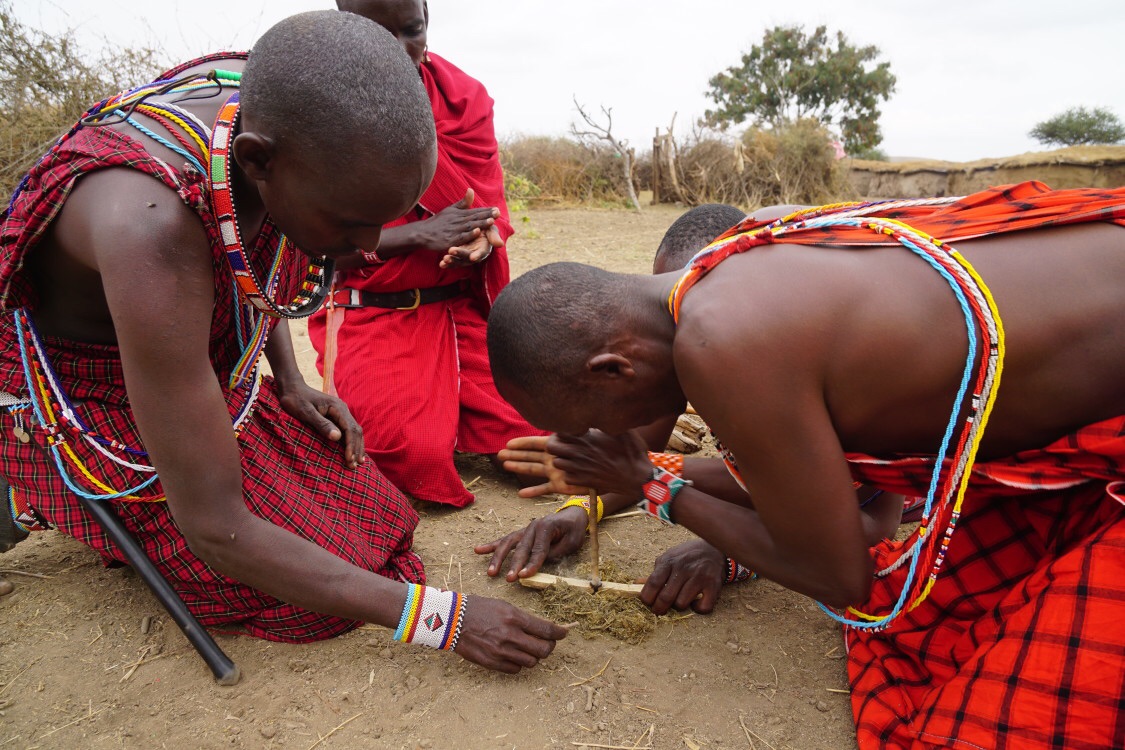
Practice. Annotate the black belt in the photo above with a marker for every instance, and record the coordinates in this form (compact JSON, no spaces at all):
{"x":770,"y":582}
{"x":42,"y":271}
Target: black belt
{"x":408,"y":299}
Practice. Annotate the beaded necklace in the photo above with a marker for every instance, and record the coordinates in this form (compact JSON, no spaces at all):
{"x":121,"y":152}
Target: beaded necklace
{"x":315,"y":286}
{"x":48,"y":401}
{"x":960,"y":443}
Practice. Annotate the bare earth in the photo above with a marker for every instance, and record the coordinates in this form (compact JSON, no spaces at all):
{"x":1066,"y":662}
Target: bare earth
{"x":765,"y":670}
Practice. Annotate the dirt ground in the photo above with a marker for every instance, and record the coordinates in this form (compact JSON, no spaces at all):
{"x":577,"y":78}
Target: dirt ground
{"x":765,"y":670}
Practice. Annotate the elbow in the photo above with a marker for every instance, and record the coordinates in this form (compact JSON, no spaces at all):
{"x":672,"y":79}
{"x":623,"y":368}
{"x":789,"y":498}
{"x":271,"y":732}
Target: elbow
{"x":843,"y":594}
{"x":849,"y":586}
{"x":213,"y":543}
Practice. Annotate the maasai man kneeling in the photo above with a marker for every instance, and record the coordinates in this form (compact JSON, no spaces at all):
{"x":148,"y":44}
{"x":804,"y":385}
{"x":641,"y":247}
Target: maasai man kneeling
{"x":966,"y":350}
{"x":148,"y":260}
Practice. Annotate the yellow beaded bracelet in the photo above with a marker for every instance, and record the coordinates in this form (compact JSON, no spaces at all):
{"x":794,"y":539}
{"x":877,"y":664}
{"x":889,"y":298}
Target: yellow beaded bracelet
{"x":584,"y":502}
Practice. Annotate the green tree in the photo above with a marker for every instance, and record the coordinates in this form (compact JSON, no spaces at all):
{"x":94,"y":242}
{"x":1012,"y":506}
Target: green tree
{"x":790,"y":76}
{"x":1079,"y":125}
{"x":46,"y":83}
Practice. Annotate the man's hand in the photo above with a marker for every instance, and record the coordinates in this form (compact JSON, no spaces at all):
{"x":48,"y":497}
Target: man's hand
{"x":455,"y":225}
{"x":688,"y":575}
{"x":475,"y":251}
{"x":326,"y":414}
{"x":499,"y":636}
{"x":528,"y":456}
{"x":610,"y":464}
{"x":547,"y":538}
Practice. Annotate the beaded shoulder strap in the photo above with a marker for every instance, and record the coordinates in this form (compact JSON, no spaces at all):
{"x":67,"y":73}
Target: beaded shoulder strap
{"x":314,"y":288}
{"x":924,"y":553}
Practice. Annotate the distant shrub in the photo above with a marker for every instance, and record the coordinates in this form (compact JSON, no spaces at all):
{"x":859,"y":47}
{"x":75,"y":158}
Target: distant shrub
{"x":793,"y":164}
{"x":48,"y":84}
{"x":1078,"y":126}
{"x":562,"y":170}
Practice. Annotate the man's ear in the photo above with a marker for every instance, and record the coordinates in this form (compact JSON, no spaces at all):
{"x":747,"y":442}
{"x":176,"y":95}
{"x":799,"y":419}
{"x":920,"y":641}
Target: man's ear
{"x":254,"y":153}
{"x":610,"y":364}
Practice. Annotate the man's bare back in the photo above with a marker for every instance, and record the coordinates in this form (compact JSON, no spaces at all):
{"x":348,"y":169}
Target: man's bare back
{"x":890,"y":341}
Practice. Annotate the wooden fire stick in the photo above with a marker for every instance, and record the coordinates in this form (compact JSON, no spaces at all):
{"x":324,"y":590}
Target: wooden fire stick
{"x":595,"y":575}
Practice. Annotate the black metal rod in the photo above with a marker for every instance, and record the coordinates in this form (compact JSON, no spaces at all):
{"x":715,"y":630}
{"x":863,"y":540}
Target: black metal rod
{"x":226,"y":671}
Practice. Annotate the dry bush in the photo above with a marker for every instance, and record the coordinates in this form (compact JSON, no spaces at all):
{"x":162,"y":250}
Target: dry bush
{"x":47,"y":83}
{"x":563,"y":170}
{"x":794,"y":164}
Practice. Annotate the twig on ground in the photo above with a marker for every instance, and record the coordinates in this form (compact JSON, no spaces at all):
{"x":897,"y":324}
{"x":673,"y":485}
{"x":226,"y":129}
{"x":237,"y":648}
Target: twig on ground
{"x":7,"y":572}
{"x":592,"y":677}
{"x":90,"y":714}
{"x":335,"y":729}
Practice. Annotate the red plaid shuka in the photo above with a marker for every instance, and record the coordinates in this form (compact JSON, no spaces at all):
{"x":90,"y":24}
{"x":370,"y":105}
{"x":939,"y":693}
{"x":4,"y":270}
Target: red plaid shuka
{"x":1021,"y":642}
{"x":291,"y":476}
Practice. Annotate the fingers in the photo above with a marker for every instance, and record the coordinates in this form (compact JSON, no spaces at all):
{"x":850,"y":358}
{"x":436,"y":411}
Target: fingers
{"x":467,"y":201}
{"x":499,"y":549}
{"x":538,"y":490}
{"x":529,"y":468}
{"x":655,"y":583}
{"x":338,"y":413}
{"x":536,"y":443}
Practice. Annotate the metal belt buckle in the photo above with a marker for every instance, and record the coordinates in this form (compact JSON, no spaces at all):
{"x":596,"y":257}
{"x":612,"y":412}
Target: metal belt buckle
{"x":417,"y":300}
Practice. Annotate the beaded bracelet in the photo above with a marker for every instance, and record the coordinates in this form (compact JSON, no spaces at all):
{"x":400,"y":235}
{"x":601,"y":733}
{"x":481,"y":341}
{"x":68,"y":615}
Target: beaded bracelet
{"x":584,"y":502}
{"x":431,"y":617}
{"x":659,"y":492}
{"x":671,"y":462}
{"x":736,"y":572}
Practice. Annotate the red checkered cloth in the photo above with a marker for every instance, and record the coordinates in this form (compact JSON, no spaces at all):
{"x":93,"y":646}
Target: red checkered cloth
{"x":1020,"y":644}
{"x":292,"y":477}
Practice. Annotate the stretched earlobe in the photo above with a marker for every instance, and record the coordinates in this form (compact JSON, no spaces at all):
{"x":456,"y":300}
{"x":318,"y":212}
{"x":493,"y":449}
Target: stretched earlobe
{"x":612,"y":364}
{"x":254,"y":154}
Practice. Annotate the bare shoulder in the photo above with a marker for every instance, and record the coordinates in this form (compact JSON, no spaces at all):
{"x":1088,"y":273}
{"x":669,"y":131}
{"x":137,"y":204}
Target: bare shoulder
{"x":121,"y":236}
{"x":124,"y":211}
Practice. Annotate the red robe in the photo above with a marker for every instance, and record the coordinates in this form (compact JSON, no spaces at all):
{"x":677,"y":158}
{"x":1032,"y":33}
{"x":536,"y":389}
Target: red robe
{"x":418,"y":381}
{"x":292,"y":477}
{"x":1021,"y":642}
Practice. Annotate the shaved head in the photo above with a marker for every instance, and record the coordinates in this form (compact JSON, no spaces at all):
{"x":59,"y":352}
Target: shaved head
{"x":549,"y":320}
{"x":338,"y":86}
{"x":693,"y":231}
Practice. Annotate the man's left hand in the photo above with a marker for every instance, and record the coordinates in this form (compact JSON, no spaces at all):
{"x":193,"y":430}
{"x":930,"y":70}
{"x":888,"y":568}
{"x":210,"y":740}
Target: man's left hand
{"x":475,"y":251}
{"x":326,"y":414}
{"x":688,"y":575}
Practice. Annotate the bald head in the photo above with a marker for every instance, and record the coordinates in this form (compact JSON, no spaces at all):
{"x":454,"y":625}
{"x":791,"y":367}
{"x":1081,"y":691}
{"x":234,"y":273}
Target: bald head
{"x":547,"y":322}
{"x":338,"y":86}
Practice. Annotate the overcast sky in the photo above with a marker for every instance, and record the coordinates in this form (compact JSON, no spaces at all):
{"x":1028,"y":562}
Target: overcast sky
{"x":973,"y":76}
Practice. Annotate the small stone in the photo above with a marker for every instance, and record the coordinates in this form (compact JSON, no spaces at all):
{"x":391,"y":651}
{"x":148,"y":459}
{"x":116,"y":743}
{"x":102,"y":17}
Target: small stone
{"x":822,"y":706}
{"x":570,"y":707}
{"x":269,"y":731}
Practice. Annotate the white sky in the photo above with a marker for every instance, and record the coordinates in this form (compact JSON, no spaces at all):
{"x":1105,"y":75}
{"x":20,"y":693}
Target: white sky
{"x":974,"y":76}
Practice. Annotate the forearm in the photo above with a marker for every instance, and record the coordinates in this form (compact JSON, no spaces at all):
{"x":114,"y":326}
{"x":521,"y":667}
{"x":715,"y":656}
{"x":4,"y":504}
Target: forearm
{"x":282,"y":564}
{"x":280,"y":354}
{"x":738,"y":532}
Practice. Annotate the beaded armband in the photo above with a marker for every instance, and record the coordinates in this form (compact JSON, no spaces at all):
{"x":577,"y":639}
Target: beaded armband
{"x":659,"y":492}
{"x":670,"y":462}
{"x":431,"y":617}
{"x":584,"y":502}
{"x":736,"y":572}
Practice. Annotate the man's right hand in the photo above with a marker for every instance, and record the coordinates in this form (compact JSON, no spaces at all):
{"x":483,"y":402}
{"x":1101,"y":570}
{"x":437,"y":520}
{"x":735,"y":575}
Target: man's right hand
{"x":547,"y":538}
{"x":455,"y":225}
{"x":496,"y":635}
